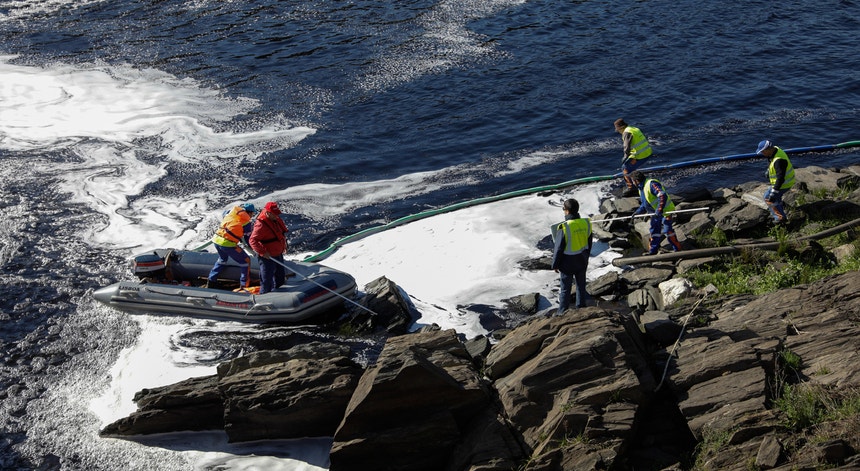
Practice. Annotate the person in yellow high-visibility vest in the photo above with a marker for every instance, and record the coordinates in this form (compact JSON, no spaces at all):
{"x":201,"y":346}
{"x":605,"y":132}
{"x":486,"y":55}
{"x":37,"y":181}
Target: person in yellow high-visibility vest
{"x":573,"y":240}
{"x":656,"y":200}
{"x":236,"y":227}
{"x":780,"y":173}
{"x":636,"y":150}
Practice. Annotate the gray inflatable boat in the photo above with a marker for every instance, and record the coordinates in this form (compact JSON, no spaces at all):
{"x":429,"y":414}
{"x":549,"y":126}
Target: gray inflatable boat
{"x":173,"y":282}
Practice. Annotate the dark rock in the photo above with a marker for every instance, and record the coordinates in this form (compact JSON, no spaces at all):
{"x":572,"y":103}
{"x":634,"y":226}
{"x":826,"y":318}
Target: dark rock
{"x":645,"y":299}
{"x":193,"y":404}
{"x":387,"y":309}
{"x":478,"y":348}
{"x":536,"y":264}
{"x":737,"y":216}
{"x":415,"y":404}
{"x":660,"y":327}
{"x":606,"y":284}
{"x":835,"y":451}
{"x":292,"y":399}
{"x":488,"y":444}
{"x":769,"y":453}
{"x":646,"y":276}
{"x":695,"y":195}
{"x":523,"y":304}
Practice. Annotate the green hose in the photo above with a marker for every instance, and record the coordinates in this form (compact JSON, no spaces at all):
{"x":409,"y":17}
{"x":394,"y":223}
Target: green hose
{"x":560,"y":186}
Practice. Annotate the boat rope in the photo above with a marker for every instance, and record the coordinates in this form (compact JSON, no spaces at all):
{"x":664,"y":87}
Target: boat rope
{"x":672,"y":353}
{"x":202,"y":246}
{"x":550,"y":189}
{"x":327,"y":289}
{"x":246,"y":249}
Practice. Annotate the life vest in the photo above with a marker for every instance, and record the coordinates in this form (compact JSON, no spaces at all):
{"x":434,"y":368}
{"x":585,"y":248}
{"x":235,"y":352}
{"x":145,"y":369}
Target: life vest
{"x":639,"y":146}
{"x":789,"y":170}
{"x":654,"y":200}
{"x":232,"y":227}
{"x":576,"y":233}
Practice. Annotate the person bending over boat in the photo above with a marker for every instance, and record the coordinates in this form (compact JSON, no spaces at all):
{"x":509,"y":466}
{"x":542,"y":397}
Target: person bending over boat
{"x":235,"y":227}
{"x":780,"y":173}
{"x":636,"y":150}
{"x":269,"y":241}
{"x":656,"y":199}
{"x":573,"y":240}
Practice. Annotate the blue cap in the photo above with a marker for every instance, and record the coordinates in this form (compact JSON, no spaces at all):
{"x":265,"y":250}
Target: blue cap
{"x":249,"y":208}
{"x":763,"y":145}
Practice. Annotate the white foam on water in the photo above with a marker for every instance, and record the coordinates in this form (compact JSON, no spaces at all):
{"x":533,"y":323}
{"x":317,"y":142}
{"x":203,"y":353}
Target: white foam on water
{"x":321,"y":202}
{"x":442,"y":41}
{"x":123,"y":127}
{"x":151,"y":362}
{"x":469,"y":256}
{"x":21,"y":9}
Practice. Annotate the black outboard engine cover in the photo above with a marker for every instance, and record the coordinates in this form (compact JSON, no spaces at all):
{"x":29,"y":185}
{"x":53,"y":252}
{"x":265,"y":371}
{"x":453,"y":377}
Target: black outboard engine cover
{"x":148,"y":265}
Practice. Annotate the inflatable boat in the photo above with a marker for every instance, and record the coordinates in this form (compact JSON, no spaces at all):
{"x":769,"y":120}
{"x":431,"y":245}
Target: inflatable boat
{"x":174,"y":282}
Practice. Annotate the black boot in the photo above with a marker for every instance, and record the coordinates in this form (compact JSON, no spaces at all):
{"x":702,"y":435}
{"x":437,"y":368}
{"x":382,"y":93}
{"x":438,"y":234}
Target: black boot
{"x":212,"y":284}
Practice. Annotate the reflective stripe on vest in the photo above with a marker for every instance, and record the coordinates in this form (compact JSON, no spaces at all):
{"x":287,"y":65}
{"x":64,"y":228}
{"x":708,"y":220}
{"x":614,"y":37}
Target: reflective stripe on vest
{"x":640,"y":148}
{"x":576,"y":232}
{"x":654,"y":201}
{"x":789,"y":170}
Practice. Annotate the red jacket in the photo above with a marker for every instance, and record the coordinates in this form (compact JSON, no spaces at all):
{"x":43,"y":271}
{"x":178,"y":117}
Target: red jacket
{"x":269,"y":236}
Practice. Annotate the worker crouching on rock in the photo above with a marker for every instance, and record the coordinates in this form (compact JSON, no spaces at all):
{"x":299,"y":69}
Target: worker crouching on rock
{"x":656,"y":199}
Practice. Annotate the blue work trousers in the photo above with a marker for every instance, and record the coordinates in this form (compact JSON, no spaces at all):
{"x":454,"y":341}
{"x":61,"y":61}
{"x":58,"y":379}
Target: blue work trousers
{"x":236,"y":254}
{"x":272,"y":273}
{"x":566,"y":280}
{"x":662,"y":226}
{"x":773,"y":198}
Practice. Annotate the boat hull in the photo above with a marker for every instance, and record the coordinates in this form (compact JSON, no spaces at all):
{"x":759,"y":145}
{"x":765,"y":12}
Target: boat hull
{"x":310,"y":290}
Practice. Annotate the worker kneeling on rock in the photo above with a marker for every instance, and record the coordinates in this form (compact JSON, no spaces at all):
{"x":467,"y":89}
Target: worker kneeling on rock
{"x":656,"y":199}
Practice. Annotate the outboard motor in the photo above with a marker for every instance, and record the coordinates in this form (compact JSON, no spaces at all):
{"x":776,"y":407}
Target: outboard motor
{"x":148,"y":265}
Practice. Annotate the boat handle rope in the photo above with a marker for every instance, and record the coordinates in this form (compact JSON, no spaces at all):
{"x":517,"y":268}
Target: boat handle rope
{"x":246,"y":249}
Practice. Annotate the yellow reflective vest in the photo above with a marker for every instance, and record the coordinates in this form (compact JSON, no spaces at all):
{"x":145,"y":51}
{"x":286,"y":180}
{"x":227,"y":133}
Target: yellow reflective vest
{"x":232,"y":227}
{"x":654,"y":200}
{"x":789,"y":170}
{"x":640,"y":148}
{"x":576,"y":233}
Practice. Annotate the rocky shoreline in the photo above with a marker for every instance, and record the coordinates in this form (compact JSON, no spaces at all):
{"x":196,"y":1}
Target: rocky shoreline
{"x":657,"y":374}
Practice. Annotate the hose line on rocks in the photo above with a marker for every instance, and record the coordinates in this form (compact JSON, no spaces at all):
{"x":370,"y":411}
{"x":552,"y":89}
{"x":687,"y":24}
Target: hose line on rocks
{"x":729,"y":249}
{"x":678,"y":341}
{"x":550,"y":189}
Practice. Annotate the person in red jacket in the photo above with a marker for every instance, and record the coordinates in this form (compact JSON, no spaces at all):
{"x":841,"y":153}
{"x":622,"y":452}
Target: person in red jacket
{"x":269,"y":241}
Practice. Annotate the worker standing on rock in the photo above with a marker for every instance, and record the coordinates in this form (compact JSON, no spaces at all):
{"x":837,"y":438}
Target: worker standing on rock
{"x":573,"y":240}
{"x":636,"y":150}
{"x":781,"y":175}
{"x":656,"y":199}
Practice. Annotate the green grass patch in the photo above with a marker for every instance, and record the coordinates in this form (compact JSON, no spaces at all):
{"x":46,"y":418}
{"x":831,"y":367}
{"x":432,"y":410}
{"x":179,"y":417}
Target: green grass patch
{"x":807,"y":404}
{"x":712,"y":442}
{"x":760,"y":272}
